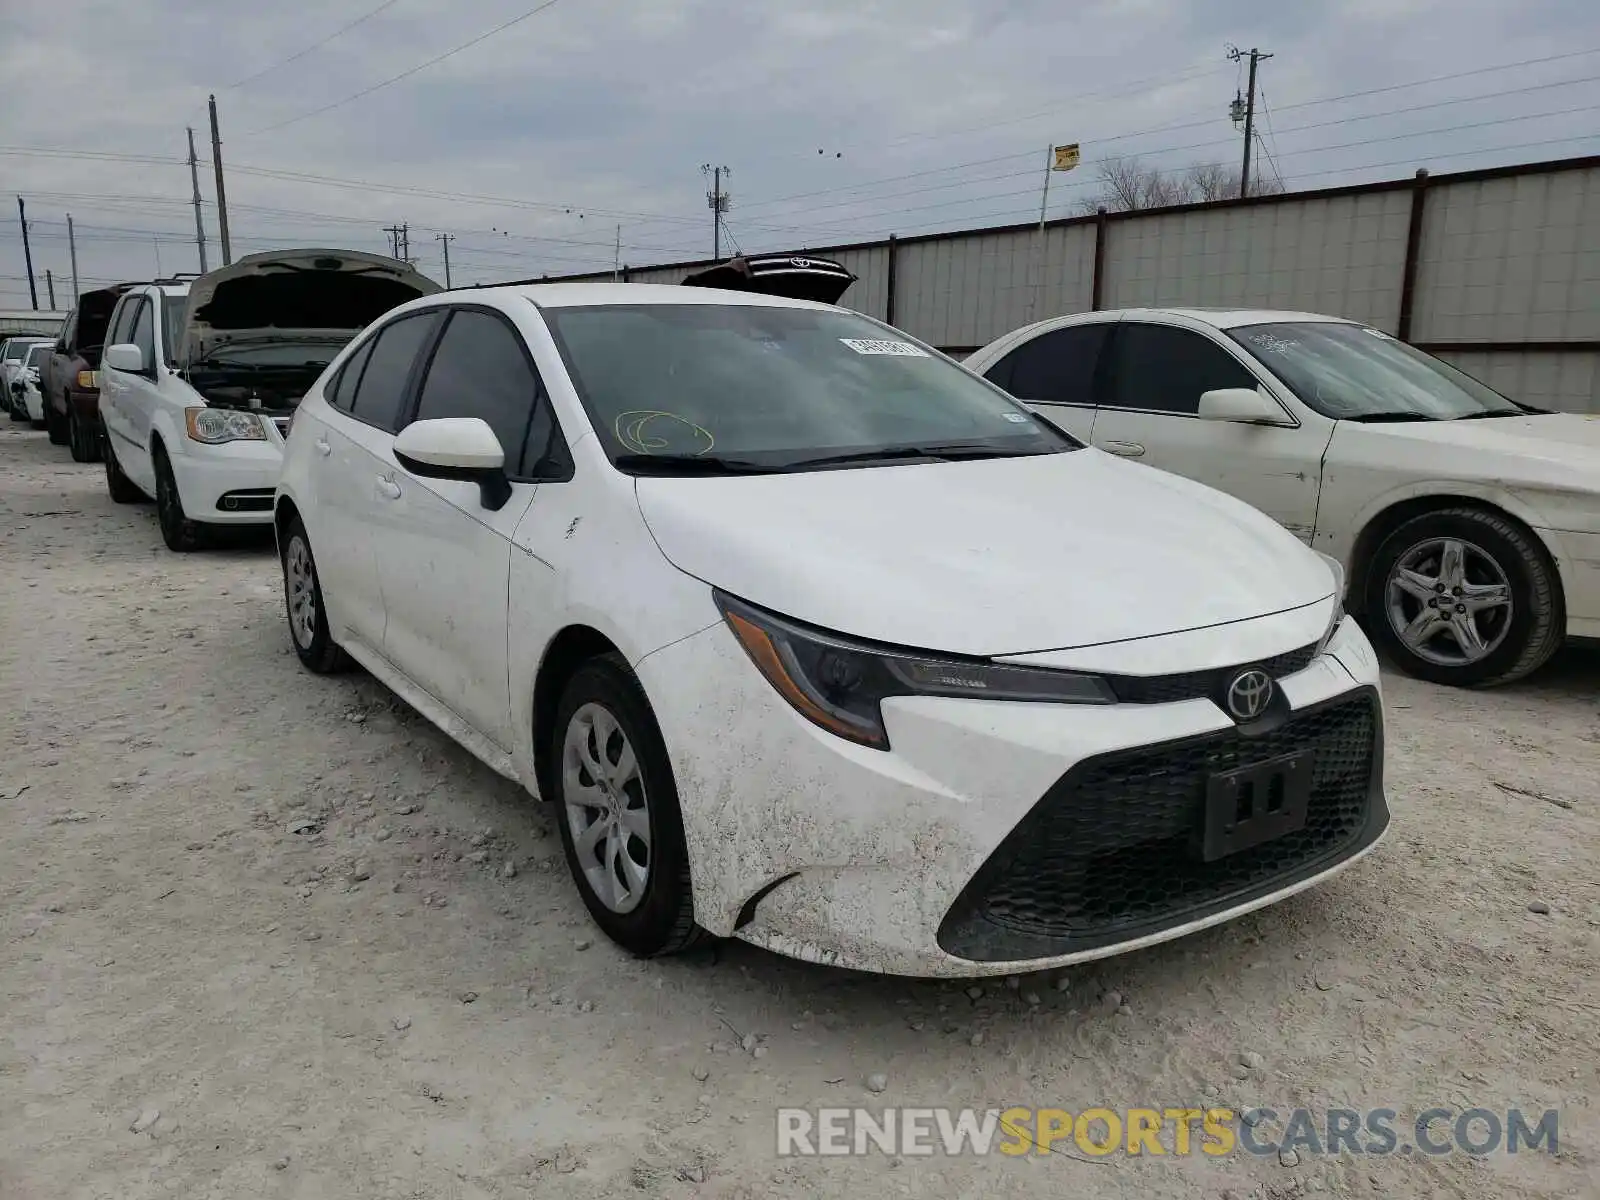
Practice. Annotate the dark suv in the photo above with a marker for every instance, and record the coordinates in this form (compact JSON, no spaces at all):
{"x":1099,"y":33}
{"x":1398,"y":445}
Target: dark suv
{"x":70,"y":381}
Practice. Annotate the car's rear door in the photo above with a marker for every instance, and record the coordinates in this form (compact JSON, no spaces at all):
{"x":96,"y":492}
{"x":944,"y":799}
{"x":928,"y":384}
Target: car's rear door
{"x":446,"y":572}
{"x":1056,"y":374}
{"x":1154,"y":375}
{"x":352,"y":451}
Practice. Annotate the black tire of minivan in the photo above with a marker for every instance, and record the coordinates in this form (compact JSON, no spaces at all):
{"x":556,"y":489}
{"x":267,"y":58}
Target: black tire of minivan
{"x":123,"y":490}
{"x":177,"y":530}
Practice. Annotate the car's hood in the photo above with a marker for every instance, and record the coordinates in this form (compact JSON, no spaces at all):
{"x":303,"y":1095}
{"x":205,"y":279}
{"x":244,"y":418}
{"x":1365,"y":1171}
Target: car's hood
{"x":1550,"y":449}
{"x":1000,"y":556}
{"x":295,"y":294}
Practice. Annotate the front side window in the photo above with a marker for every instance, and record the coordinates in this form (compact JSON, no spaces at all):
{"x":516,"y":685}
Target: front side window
{"x":120,"y":328}
{"x":481,"y":369}
{"x":1054,"y":368}
{"x":172,"y":313}
{"x":381,"y":394}
{"x":143,"y":334}
{"x":1159,"y":368}
{"x":756,"y":387}
{"x":1352,"y":373}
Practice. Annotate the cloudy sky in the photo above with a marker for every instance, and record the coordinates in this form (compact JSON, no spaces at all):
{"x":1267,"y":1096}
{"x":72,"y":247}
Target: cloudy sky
{"x":842,"y":120}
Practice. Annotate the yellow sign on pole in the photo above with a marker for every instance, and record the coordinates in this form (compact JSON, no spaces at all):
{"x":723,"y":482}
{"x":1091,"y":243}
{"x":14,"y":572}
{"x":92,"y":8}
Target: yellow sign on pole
{"x":1066,"y":157}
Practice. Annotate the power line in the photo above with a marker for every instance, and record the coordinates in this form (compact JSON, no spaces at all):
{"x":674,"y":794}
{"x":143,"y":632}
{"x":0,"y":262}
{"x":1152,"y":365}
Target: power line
{"x":422,"y":66}
{"x":299,"y":54}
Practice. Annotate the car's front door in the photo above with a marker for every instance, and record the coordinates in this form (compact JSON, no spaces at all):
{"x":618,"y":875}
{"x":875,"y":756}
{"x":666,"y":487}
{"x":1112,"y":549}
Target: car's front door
{"x":1055,"y":373}
{"x":1153,"y":378}
{"x":446,"y":572}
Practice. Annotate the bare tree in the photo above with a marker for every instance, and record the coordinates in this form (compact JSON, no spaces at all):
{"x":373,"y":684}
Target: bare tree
{"x":1128,"y":185}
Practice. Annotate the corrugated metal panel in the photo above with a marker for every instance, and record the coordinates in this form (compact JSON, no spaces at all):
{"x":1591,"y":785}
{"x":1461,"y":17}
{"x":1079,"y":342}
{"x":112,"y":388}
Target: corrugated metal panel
{"x":1566,"y":382}
{"x":1341,"y":256}
{"x":967,"y":291}
{"x":1511,"y":259}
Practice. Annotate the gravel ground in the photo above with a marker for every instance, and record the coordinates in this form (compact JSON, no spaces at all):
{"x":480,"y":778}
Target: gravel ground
{"x":405,"y":1000}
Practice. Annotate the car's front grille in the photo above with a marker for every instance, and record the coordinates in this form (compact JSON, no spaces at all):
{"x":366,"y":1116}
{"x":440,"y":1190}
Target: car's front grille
{"x":1108,"y":854}
{"x":1193,"y":685}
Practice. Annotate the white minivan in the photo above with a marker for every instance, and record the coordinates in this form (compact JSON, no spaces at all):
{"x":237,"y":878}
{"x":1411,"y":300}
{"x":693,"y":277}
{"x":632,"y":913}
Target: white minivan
{"x":200,"y":380}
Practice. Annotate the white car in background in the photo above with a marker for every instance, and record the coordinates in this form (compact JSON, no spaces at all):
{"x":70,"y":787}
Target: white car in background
{"x":31,"y":398}
{"x":13,"y":354}
{"x":814,"y":639}
{"x":1468,"y":524}
{"x":199,"y":381}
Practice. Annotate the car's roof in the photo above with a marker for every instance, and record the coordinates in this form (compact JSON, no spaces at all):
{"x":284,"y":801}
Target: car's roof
{"x":574,"y":295}
{"x":1224,"y":318}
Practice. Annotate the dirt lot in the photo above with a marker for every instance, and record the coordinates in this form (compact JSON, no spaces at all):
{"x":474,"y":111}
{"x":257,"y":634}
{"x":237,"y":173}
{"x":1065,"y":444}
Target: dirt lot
{"x":405,"y":1000}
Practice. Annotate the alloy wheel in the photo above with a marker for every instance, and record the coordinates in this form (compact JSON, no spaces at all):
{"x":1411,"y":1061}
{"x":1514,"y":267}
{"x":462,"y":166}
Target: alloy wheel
{"x":1449,"y":602}
{"x":301,"y":575}
{"x":607,"y":809}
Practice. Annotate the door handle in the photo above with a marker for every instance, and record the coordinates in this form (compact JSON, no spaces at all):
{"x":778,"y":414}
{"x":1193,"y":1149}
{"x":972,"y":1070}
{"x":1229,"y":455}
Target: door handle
{"x":323,"y":448}
{"x":1125,"y":449}
{"x":388,"y":487}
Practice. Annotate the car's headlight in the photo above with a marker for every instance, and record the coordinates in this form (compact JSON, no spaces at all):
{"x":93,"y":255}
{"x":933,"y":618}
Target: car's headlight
{"x":217,"y":425}
{"x":839,"y":684}
{"x":1337,"y":567}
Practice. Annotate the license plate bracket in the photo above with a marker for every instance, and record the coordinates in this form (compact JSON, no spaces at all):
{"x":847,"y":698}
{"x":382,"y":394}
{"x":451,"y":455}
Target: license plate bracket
{"x":1251,"y":805}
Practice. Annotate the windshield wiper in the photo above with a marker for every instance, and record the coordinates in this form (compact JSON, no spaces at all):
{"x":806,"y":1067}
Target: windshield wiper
{"x":1377,"y":417}
{"x":1496,"y":412}
{"x":900,"y":453}
{"x":692,"y":464}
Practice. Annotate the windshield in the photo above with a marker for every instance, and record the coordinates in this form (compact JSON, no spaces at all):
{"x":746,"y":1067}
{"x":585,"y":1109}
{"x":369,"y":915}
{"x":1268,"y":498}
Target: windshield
{"x":778,"y":388}
{"x":172,"y":309}
{"x":1350,"y":372}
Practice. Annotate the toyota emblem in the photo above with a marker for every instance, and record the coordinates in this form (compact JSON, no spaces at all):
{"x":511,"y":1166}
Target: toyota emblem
{"x":1248,"y":694}
{"x":802,"y":263}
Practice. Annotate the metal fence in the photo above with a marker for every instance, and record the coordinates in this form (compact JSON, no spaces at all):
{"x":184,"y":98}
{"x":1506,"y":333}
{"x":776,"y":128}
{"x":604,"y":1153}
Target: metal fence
{"x":1496,"y":270}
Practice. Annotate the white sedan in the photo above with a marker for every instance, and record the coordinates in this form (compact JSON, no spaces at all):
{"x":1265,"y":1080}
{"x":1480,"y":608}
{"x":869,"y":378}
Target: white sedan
{"x":1468,"y":524}
{"x":814,"y":639}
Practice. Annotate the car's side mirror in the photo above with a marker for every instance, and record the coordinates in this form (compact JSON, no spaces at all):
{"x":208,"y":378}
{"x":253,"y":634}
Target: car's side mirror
{"x":463,"y":448}
{"x":125,"y":356}
{"x":1244,"y":405}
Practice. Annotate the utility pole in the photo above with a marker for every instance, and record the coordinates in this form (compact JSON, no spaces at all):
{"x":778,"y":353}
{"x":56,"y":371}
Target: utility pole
{"x":222,"y":195}
{"x":616,"y":259}
{"x":446,"y":239}
{"x":719,"y":202}
{"x":27,"y":252}
{"x":50,"y":283}
{"x":405,"y":242}
{"x":72,"y":247}
{"x":1248,"y":105}
{"x":194,"y":184}
{"x":394,"y":240}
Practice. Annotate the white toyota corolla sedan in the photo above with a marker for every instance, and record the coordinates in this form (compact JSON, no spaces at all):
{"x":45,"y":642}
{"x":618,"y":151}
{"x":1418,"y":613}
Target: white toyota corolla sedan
{"x":1469,"y":523}
{"x":815,"y":639}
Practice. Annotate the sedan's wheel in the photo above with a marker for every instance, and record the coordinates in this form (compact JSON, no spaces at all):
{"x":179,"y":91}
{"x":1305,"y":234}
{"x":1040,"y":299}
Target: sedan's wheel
{"x":1464,"y":597}
{"x":302,"y":595}
{"x":179,"y":533}
{"x":618,"y":811}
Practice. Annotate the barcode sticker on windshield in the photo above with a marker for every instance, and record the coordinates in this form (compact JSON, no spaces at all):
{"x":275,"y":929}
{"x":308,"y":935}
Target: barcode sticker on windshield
{"x":883,"y":346}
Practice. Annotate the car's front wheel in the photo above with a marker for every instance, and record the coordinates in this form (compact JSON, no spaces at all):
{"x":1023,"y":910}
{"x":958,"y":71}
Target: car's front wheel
{"x":1464,"y":597}
{"x":123,"y":490}
{"x":177,"y":530}
{"x":302,"y":597}
{"x":617,"y":806}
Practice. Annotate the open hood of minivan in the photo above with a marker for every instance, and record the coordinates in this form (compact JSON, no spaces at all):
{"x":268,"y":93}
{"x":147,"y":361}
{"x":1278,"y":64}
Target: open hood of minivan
{"x":293,"y":295}
{"x":791,"y":275}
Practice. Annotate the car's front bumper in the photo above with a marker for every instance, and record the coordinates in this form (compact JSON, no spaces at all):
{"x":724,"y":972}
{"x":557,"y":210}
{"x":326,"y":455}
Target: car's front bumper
{"x":230,"y":484}
{"x":835,"y":853}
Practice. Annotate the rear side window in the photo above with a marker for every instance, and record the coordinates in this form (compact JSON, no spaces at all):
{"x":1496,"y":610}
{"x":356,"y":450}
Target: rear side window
{"x":1162,"y":369}
{"x":1054,"y":368}
{"x":481,"y":369}
{"x":381,"y":393}
{"x":343,"y":389}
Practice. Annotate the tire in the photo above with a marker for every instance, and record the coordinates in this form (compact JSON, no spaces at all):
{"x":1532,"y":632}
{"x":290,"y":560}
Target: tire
{"x":1414,"y":574}
{"x":55,"y":426}
{"x":79,"y":439}
{"x":656,"y":917}
{"x":177,"y":530}
{"x":122,"y":489}
{"x":302,"y":600}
